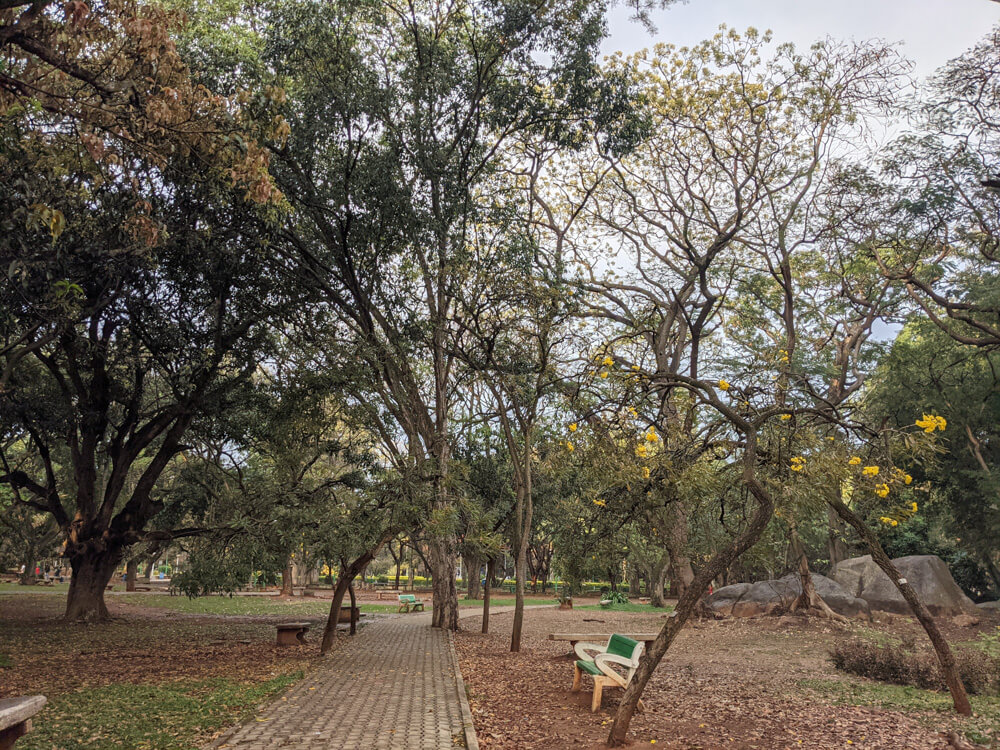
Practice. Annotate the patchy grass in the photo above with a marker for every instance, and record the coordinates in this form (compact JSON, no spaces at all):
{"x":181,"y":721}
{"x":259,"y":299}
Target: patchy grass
{"x":504,"y":601}
{"x":165,"y":717}
{"x":630,"y":607}
{"x":932,"y":706}
{"x":55,"y":588}
{"x":240,"y":605}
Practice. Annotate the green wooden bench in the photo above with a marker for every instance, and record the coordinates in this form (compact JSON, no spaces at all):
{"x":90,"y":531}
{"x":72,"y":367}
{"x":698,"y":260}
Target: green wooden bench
{"x":408,"y":601}
{"x":621,"y":651}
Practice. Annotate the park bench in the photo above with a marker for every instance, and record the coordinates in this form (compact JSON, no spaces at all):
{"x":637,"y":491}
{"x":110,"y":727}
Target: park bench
{"x":15,"y":717}
{"x":386,"y":593}
{"x":292,"y":633}
{"x":574,"y":638}
{"x":621,"y":651}
{"x":406,"y":601}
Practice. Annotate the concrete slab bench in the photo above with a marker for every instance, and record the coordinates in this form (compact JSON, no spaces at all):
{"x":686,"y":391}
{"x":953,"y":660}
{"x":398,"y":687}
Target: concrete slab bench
{"x":15,"y":717}
{"x":574,"y":638}
{"x":292,"y":633}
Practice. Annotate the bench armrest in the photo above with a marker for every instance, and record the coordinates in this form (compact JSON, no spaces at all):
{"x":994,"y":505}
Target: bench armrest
{"x":582,"y":647}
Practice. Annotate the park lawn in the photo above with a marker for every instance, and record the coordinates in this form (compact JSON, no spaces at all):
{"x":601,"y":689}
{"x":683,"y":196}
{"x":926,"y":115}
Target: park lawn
{"x":146,"y":679}
{"x":60,"y":588}
{"x":240,"y":605}
{"x":168,"y":716}
{"x":504,"y":601}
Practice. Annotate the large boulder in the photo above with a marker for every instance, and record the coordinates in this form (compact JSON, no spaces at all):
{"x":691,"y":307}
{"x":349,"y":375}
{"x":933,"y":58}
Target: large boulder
{"x":990,"y":606}
{"x":927,"y":574}
{"x":766,"y":597}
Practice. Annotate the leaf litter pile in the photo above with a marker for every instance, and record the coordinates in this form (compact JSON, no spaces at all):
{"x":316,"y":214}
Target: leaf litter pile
{"x":723,"y":684}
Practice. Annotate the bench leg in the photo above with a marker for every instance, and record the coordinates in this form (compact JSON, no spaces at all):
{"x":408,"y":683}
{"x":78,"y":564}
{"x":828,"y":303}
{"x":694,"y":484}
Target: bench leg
{"x":595,"y":704}
{"x":577,"y":676}
{"x":301,"y":636}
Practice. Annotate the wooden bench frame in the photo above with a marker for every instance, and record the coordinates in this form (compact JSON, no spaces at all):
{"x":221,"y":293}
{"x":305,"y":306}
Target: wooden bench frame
{"x":292,"y":633}
{"x":602,"y":659}
{"x":410,"y":600}
{"x":15,"y":717}
{"x":574,"y":638}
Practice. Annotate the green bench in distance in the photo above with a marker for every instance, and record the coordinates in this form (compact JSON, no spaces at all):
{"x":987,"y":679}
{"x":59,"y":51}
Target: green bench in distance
{"x":621,"y":651}
{"x":408,"y":601}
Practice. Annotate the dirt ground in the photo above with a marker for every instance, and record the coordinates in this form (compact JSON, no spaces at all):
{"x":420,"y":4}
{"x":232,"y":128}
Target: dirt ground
{"x":724,"y":684}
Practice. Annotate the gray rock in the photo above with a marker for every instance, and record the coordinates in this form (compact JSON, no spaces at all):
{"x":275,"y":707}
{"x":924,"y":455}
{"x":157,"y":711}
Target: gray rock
{"x":928,"y":575}
{"x":767,"y":597}
{"x":990,"y":606}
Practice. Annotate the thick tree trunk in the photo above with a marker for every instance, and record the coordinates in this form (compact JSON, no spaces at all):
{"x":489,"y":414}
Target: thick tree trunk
{"x":131,"y":571}
{"x":28,"y":576}
{"x":661,"y":571}
{"x":330,"y":632}
{"x":945,"y":657}
{"x":442,"y":559}
{"x":91,"y":574}
{"x":490,"y":565}
{"x":686,"y":605}
{"x":287,"y":584}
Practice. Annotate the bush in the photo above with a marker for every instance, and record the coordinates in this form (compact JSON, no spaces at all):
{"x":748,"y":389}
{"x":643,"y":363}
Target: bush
{"x":903,"y":665}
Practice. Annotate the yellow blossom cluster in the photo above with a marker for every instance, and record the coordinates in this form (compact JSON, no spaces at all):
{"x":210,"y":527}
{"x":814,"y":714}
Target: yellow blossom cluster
{"x":798,"y":463}
{"x":929,"y":423}
{"x":724,"y":385}
{"x":573,"y":427}
{"x":882,"y":490}
{"x":569,"y":446}
{"x":785,"y":417}
{"x":645,"y":472}
{"x":854,"y":461}
{"x":870,"y":471}
{"x":889,"y":521}
{"x":641,"y":450}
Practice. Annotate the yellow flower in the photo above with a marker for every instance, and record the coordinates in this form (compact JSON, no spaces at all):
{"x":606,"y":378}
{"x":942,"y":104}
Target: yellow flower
{"x":930,"y":422}
{"x":572,"y":427}
{"x":645,"y":473}
{"x":870,"y":471}
{"x":854,"y":460}
{"x":569,"y":446}
{"x":882,"y":490}
{"x":913,"y":507}
{"x":885,"y":520}
{"x":607,"y":361}
{"x":604,"y":374}
{"x":632,"y":411}
{"x":785,"y":417}
{"x":907,"y":479}
{"x":600,"y":503}
{"x":651,"y":437}
{"x":895,"y":522}
{"x":640,"y":450}
{"x":635,"y":368}
{"x":724,"y":385}
{"x":797,"y":463}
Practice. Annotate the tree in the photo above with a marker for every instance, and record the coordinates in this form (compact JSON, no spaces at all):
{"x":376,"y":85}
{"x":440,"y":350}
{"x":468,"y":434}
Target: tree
{"x":134,"y":303}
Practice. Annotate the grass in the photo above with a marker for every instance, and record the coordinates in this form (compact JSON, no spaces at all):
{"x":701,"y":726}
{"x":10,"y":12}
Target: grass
{"x":241,"y":605}
{"x":503,"y":601}
{"x":982,"y":727}
{"x":630,"y":607}
{"x":60,"y":588}
{"x":165,"y":717}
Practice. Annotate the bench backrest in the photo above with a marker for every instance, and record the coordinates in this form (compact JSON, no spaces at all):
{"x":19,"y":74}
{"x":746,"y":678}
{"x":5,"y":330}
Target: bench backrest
{"x":407,"y":598}
{"x":622,"y":645}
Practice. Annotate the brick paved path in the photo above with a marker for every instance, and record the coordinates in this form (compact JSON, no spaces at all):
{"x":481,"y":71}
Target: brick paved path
{"x":391,"y":686}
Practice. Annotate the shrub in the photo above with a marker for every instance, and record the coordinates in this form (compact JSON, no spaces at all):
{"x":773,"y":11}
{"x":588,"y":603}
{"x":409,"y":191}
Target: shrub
{"x":903,"y":665}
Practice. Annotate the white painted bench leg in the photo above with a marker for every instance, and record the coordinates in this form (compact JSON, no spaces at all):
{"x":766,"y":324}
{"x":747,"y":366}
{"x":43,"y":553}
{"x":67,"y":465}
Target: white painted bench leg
{"x":577,"y":676}
{"x":595,"y":704}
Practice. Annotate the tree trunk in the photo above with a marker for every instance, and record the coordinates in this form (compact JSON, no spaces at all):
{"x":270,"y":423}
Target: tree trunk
{"x":91,"y":573}
{"x":445,"y":604}
{"x":525,"y":509}
{"x":28,"y":576}
{"x":287,"y":584}
{"x":633,"y":581}
{"x":354,"y":607}
{"x":945,"y":657}
{"x":131,"y":570}
{"x":836,"y":546}
{"x":330,"y":631}
{"x":662,"y":570}
{"x":809,"y":599}
{"x":399,"y":562}
{"x":686,"y":604}
{"x":472,"y":588}
{"x":681,"y":574}
{"x":490,"y":564}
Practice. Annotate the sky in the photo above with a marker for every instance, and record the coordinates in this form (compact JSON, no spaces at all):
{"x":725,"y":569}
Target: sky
{"x":931,"y":31}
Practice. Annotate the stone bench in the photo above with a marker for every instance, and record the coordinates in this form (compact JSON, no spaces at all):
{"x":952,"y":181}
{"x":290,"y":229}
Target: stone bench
{"x":292,"y":633}
{"x":574,"y":638}
{"x":15,"y":717}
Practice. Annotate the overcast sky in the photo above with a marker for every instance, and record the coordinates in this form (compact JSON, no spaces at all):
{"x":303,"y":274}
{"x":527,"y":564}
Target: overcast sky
{"x":932,"y":31}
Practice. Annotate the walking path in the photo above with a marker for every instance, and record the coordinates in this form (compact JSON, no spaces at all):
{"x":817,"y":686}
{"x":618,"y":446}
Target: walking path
{"x":394,"y":686}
